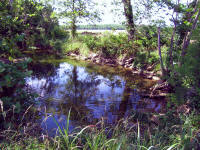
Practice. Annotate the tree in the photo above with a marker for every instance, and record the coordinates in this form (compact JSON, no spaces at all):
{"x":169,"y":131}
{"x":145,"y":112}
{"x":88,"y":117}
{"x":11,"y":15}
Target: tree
{"x":77,"y":11}
{"x":128,"y":12}
{"x":185,"y":22}
{"x":134,"y":12}
{"x":160,"y":55}
{"x":194,"y":14}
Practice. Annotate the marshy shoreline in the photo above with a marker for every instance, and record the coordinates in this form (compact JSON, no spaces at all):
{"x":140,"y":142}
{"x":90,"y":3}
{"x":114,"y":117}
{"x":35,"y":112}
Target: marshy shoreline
{"x":157,"y":91}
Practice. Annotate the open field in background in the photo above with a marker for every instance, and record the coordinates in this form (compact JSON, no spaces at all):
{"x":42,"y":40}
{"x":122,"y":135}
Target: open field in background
{"x":102,"y":31}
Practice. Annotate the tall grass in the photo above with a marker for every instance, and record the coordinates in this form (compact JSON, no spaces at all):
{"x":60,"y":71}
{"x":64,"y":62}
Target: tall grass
{"x":137,"y":136}
{"x":77,"y":47}
{"x":109,"y":45}
{"x":127,"y":134}
{"x":116,"y":47}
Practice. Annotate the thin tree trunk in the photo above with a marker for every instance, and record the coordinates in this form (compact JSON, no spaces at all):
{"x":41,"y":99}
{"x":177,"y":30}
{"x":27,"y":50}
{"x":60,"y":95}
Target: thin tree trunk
{"x":172,"y":40}
{"x":73,"y":27}
{"x":171,"y":47}
{"x":170,"y":54}
{"x":73,"y":22}
{"x":189,"y":15}
{"x":129,"y":19}
{"x":186,"y":40}
{"x":160,"y":55}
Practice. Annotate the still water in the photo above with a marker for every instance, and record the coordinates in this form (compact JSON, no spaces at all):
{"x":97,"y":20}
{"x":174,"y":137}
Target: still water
{"x":91,"y":92}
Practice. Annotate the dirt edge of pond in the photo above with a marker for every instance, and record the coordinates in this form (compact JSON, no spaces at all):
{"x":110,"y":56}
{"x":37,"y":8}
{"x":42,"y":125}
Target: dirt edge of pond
{"x":159,"y":90}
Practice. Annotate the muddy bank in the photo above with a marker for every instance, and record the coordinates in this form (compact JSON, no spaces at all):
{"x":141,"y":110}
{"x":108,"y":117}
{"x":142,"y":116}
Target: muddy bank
{"x":159,"y":90}
{"x":125,"y":62}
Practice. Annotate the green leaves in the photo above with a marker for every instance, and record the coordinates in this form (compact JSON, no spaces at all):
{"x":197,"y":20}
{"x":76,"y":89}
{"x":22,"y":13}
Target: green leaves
{"x":78,"y":10}
{"x":187,"y":23}
{"x":12,"y":89}
{"x":2,"y":69}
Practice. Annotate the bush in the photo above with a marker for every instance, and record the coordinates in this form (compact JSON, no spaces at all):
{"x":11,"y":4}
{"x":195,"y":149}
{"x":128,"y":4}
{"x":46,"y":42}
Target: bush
{"x":108,"y":44}
{"x":59,"y":33}
{"x":186,"y":79}
{"x":14,"y":96}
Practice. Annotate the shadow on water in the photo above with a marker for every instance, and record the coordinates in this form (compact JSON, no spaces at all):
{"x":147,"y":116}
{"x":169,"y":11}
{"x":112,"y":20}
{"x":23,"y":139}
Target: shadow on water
{"x":92,"y":92}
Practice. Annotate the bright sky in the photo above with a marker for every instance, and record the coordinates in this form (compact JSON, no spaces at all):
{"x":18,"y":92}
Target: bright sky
{"x":114,"y":14}
{"x":110,"y":16}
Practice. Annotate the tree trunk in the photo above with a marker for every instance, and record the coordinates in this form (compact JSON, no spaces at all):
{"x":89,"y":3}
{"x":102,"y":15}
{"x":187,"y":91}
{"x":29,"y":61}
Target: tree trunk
{"x":129,"y":19}
{"x":73,"y":21}
{"x":73,"y":27}
{"x":170,"y":63}
{"x":159,"y":51}
{"x":187,"y":37}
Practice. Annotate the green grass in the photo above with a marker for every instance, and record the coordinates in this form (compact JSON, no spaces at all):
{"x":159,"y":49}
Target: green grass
{"x":174,"y":131}
{"x":75,"y":45}
{"x":127,"y":134}
{"x":113,"y":46}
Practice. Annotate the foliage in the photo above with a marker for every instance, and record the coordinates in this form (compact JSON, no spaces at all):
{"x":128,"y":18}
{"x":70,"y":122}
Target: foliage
{"x":14,"y":96}
{"x":127,"y":133}
{"x":26,"y":24}
{"x":109,"y":45}
{"x":77,"y":47}
{"x":186,"y":80}
{"x":31,"y":25}
{"x":143,"y":49}
{"x":78,"y":10}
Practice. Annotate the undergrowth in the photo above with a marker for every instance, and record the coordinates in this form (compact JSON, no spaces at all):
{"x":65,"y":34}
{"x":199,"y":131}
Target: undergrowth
{"x":118,"y":47}
{"x":129,"y":133}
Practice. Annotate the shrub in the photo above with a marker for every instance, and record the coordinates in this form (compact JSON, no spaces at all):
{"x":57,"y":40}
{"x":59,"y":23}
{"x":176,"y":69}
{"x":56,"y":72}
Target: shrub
{"x":186,"y":79}
{"x":59,"y":33}
{"x":108,"y":44}
{"x":14,"y":96}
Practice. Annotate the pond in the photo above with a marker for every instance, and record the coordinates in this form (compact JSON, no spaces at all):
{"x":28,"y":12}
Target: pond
{"x":91,"y":92}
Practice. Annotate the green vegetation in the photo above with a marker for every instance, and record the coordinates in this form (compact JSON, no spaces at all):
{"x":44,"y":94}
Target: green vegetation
{"x":28,"y":25}
{"x":78,"y":10}
{"x":29,"y":28}
{"x":109,"y":45}
{"x":130,"y":133}
{"x":186,"y":81}
{"x":143,"y":50}
{"x":25,"y":26}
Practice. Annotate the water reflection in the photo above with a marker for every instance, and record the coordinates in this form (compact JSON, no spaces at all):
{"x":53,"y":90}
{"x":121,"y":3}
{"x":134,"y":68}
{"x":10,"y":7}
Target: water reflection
{"x":89,"y":92}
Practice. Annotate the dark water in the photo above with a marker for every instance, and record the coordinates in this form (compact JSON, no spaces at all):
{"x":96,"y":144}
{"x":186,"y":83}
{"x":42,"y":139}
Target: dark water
{"x":91,"y":92}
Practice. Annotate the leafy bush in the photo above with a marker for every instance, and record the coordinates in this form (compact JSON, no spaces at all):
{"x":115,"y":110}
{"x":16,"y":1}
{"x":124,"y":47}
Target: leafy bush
{"x":14,"y":96}
{"x":59,"y":33}
{"x":140,"y":60}
{"x":108,"y":44}
{"x":186,"y":79}
{"x":28,"y":24}
{"x":77,"y":47}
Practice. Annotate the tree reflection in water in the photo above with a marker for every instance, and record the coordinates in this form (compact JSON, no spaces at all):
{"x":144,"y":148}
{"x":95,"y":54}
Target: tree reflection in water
{"x":90,"y":93}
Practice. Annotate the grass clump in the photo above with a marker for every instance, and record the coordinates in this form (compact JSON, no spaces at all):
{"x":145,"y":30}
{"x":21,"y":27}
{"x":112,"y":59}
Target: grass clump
{"x":108,"y":44}
{"x":77,"y":47}
{"x":117,"y":46}
{"x":131,"y":133}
